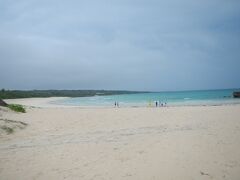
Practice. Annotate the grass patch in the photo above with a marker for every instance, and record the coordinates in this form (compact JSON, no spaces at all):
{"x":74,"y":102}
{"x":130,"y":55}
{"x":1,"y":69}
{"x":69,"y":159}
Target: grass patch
{"x":10,"y":126}
{"x":14,"y":122}
{"x":8,"y":130}
{"x":17,"y":108}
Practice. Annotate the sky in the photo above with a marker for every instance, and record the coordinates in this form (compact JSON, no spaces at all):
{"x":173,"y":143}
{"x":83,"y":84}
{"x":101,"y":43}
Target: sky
{"x":149,"y":45}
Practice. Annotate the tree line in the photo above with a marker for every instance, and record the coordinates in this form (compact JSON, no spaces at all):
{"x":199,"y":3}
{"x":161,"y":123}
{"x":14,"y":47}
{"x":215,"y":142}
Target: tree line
{"x":14,"y":94}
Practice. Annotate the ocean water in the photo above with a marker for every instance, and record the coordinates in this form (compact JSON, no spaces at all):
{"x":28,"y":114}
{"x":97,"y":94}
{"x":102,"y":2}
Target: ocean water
{"x":177,"y":98}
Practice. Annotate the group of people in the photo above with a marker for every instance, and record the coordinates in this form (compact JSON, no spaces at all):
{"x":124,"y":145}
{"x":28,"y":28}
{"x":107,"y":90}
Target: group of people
{"x":116,"y":104}
{"x":158,"y":104}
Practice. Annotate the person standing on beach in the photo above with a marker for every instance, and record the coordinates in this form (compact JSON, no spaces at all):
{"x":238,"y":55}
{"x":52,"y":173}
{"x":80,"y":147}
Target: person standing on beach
{"x":115,"y":104}
{"x":156,"y":104}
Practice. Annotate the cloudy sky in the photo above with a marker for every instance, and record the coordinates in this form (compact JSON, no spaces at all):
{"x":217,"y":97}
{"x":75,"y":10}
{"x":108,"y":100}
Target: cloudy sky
{"x":120,"y":44}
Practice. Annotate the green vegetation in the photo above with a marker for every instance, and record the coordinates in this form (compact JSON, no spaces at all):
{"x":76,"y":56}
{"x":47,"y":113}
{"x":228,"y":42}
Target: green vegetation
{"x":8,"y":130}
{"x":17,"y":108}
{"x":9,"y":126}
{"x":14,"y":94}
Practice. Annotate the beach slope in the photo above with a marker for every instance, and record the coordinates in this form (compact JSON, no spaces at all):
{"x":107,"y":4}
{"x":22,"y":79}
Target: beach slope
{"x":123,"y":143}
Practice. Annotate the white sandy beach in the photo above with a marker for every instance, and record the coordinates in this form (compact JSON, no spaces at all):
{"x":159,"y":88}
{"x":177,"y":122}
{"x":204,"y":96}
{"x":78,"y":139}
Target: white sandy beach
{"x":121,"y":143}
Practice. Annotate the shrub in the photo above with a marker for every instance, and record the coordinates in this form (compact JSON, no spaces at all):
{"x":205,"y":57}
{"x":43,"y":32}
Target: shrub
{"x":17,"y":108}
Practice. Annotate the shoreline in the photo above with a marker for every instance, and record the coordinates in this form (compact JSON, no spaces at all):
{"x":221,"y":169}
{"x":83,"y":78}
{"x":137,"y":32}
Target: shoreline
{"x":51,"y":102}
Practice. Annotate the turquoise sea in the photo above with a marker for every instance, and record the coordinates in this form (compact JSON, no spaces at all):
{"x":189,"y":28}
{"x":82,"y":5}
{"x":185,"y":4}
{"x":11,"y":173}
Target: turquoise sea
{"x":177,"y":98}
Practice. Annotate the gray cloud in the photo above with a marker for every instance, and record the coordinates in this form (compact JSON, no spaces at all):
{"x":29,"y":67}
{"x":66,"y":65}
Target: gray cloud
{"x":134,"y":45}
